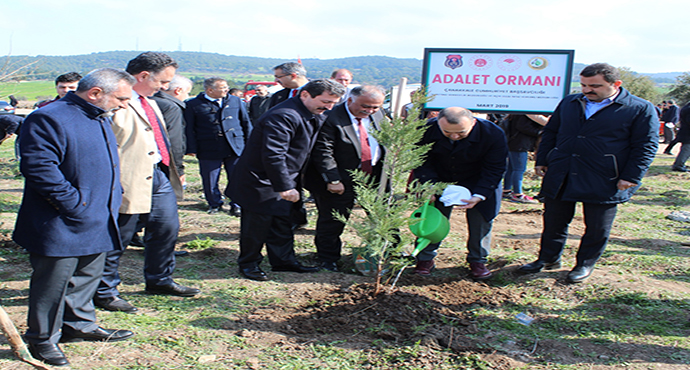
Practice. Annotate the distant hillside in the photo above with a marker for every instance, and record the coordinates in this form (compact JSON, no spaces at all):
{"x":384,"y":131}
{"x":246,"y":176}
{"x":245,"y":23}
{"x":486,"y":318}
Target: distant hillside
{"x":381,"y":70}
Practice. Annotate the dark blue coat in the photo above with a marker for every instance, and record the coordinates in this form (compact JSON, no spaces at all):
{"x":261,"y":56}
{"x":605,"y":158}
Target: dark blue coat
{"x":276,"y":153}
{"x":587,"y":157}
{"x":213,"y":133}
{"x":72,"y":192}
{"x":684,"y":131}
{"x":476,"y":162}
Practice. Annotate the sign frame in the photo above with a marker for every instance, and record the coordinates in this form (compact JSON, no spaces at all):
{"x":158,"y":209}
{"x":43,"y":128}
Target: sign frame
{"x":565,"y":75}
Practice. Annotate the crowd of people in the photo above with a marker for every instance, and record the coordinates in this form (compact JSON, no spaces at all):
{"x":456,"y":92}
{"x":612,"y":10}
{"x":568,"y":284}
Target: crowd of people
{"x":103,"y":161}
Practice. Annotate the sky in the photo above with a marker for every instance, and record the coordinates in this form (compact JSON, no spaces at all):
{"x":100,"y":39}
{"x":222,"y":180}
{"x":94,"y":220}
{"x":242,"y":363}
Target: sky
{"x":646,"y":36}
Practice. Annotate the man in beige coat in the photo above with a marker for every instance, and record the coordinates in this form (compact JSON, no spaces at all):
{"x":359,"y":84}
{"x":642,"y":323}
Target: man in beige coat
{"x":150,"y":184}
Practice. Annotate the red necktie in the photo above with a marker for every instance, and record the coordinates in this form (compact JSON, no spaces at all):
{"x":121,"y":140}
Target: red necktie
{"x":366,"y":149}
{"x":157,"y":133}
{"x":293,"y":93}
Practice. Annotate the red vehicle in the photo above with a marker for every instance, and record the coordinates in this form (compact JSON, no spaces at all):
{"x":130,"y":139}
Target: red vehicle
{"x":250,"y":88}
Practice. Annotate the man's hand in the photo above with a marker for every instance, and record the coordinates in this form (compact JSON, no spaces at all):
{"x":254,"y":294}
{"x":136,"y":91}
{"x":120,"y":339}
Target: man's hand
{"x":291,"y":195}
{"x":191,"y":154}
{"x":623,"y":185}
{"x":470,"y":202}
{"x":540,"y":170}
{"x":338,"y":188}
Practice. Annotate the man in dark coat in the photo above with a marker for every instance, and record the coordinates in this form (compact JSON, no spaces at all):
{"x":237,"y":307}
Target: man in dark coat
{"x":68,"y":217}
{"x":595,"y":150}
{"x":338,"y":150}
{"x":259,"y":103}
{"x":469,"y":152}
{"x":217,"y":128}
{"x":291,"y":76}
{"x":266,"y":180}
{"x":684,"y":139}
{"x":670,"y":119}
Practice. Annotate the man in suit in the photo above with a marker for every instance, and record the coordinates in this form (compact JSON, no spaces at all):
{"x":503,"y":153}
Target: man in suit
{"x":171,"y":102}
{"x":595,"y":149}
{"x":469,"y":152}
{"x":669,"y":119}
{"x":291,"y":76}
{"x":217,"y":129}
{"x":258,"y":105}
{"x":266,"y":180}
{"x":150,"y":185}
{"x":343,"y":144}
{"x":68,"y":217}
{"x":64,"y":83}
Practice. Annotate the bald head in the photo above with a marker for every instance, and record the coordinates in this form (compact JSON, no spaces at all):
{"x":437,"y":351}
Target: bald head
{"x":456,"y":123}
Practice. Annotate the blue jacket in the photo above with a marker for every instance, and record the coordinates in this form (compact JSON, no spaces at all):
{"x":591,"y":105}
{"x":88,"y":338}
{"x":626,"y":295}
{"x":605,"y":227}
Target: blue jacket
{"x":476,"y":162}
{"x":587,"y":157}
{"x":215,"y":133}
{"x":72,"y":191}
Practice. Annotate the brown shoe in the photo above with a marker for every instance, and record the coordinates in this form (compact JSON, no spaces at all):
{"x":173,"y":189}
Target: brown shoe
{"x":479,"y":271}
{"x":424,"y":268}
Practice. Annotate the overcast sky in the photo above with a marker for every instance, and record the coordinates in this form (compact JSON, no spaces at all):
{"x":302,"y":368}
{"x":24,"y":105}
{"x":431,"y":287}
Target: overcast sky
{"x":647,"y":36}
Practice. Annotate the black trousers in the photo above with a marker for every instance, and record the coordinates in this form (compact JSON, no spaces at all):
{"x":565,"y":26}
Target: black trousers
{"x":275,"y":232}
{"x":558,"y":214}
{"x":60,"y":296}
{"x":328,"y":228}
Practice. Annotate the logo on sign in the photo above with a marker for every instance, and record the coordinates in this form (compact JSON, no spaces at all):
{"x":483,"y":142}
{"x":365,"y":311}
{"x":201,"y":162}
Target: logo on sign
{"x":480,"y":62}
{"x":453,"y":61}
{"x":509,"y":62}
{"x":538,"y":63}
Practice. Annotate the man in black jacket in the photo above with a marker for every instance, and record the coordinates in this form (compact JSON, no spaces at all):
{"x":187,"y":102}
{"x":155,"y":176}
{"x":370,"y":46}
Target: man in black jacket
{"x":266,"y":180}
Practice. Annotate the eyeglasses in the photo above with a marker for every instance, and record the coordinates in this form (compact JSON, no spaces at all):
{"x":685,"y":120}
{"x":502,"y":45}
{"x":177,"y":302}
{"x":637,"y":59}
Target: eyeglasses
{"x":281,"y":76}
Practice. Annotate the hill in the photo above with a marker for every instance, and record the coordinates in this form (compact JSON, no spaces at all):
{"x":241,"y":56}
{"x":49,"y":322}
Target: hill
{"x":381,"y":70}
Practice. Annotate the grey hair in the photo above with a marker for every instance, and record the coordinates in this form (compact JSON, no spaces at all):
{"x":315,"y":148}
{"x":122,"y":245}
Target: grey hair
{"x":292,"y":67}
{"x":108,"y":79}
{"x":209,"y":82}
{"x":179,"y":81}
{"x":368,"y":90}
{"x":454,"y":114}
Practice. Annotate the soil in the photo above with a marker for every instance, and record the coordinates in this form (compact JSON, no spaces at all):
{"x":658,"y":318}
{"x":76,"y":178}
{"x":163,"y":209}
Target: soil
{"x":438,"y":312}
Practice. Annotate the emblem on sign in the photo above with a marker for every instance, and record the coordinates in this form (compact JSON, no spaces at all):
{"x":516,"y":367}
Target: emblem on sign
{"x":538,"y":63}
{"x":453,"y":61}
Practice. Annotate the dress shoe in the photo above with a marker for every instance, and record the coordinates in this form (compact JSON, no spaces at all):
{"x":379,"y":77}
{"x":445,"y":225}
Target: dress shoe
{"x":235,"y":211}
{"x":49,"y":353}
{"x":680,"y":169}
{"x":295,"y":267}
{"x":137,"y":241}
{"x":173,"y":289}
{"x":213,"y":210}
{"x":424,"y":268}
{"x":579,"y":274}
{"x":330,"y":266}
{"x":536,"y":266}
{"x":114,"y":304}
{"x":98,"y":335}
{"x":181,"y":253}
{"x":254,"y":273}
{"x":479,"y":271}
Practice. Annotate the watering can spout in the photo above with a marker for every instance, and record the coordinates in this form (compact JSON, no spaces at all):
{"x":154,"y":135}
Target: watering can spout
{"x":422,"y":243}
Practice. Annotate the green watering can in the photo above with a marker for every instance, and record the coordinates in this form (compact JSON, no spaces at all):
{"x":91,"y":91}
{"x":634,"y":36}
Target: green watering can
{"x":432,"y":227}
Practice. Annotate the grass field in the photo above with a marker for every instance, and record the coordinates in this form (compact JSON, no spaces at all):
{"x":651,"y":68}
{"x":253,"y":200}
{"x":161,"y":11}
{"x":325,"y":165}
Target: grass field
{"x":28,"y":90}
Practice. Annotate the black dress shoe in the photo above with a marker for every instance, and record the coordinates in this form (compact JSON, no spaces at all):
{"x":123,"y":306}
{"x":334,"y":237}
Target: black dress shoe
{"x":136,"y":241}
{"x":235,"y":211}
{"x":330,"y":266}
{"x":537,"y":265}
{"x":296,"y":267}
{"x":680,"y":169}
{"x":579,"y":274}
{"x":181,"y":253}
{"x":254,"y":273}
{"x":173,"y":289}
{"x":114,"y":304}
{"x":49,"y":353}
{"x":98,"y":335}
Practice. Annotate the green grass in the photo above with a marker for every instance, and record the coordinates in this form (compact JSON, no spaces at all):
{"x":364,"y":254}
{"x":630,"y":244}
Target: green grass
{"x":28,"y":90}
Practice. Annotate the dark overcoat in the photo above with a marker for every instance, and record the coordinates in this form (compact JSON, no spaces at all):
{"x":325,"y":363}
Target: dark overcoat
{"x":72,"y":191}
{"x":274,"y":158}
{"x":587,"y":157}
{"x":476,"y":162}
